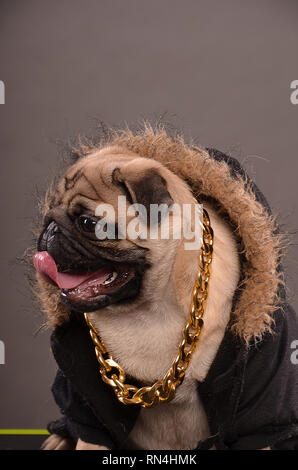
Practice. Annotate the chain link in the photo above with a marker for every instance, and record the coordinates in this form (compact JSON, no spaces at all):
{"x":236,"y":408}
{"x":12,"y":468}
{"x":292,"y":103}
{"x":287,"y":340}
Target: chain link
{"x":163,"y":390}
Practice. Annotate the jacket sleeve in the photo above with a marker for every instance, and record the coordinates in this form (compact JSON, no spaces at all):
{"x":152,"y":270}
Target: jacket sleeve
{"x":267,"y":414}
{"x":90,"y":407}
{"x":78,"y":421}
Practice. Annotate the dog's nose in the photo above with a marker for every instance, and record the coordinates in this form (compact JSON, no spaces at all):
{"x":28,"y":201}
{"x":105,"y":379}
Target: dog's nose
{"x":47,"y":237}
{"x":57,"y":240}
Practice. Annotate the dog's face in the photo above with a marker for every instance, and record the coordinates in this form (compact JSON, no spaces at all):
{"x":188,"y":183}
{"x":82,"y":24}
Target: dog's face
{"x":91,"y":273}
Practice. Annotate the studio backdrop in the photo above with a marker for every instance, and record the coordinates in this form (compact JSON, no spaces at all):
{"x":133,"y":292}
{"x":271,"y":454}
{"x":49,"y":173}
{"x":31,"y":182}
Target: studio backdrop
{"x":223,"y":73}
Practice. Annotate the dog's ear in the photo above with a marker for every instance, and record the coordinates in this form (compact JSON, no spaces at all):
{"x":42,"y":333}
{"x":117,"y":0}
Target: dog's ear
{"x":143,"y":187}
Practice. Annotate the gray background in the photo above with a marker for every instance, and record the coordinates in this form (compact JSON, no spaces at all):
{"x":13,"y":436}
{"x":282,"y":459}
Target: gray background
{"x":221,"y":69}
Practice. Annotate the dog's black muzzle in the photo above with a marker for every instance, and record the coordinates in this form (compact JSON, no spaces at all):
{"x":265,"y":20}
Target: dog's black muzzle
{"x":70,"y":251}
{"x":73,"y":252}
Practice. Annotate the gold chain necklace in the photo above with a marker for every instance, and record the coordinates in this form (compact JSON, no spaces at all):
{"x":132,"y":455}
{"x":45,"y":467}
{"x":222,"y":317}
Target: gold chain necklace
{"x":163,"y":390}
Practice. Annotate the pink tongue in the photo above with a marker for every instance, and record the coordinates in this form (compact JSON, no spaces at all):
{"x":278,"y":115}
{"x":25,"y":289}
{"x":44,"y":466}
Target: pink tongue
{"x":46,"y":267}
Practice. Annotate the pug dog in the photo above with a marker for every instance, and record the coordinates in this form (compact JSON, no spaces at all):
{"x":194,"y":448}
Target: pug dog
{"x":137,"y":291}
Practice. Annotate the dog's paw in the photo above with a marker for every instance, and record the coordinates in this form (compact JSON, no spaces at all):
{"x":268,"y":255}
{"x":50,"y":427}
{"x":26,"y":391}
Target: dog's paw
{"x":81,"y":445}
{"x":56,"y":442}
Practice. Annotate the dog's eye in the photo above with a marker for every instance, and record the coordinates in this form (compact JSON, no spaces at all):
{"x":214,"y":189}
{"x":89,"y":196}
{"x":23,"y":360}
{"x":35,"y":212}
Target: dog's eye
{"x":87,"y":224}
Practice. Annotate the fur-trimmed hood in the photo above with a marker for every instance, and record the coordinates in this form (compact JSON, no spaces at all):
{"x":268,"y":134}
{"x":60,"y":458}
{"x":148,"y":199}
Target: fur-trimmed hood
{"x":215,"y":177}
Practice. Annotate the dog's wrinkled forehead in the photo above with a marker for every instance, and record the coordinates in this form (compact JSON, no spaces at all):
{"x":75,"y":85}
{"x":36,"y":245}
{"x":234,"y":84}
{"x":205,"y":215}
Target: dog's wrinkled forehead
{"x":88,"y":181}
{"x":102,"y":177}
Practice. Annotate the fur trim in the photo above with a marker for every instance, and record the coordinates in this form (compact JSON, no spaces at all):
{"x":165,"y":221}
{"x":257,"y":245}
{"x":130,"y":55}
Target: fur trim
{"x":257,"y":294}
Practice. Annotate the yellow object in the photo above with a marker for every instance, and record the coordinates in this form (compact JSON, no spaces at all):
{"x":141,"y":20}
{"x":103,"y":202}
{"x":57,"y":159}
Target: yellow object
{"x":28,"y":432}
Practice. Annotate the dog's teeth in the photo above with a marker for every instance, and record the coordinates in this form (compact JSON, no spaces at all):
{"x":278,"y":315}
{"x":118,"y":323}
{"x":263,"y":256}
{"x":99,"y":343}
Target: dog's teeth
{"x":111,"y":278}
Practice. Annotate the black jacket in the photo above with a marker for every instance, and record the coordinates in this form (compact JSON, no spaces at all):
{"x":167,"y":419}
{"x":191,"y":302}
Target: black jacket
{"x":250,"y":394}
